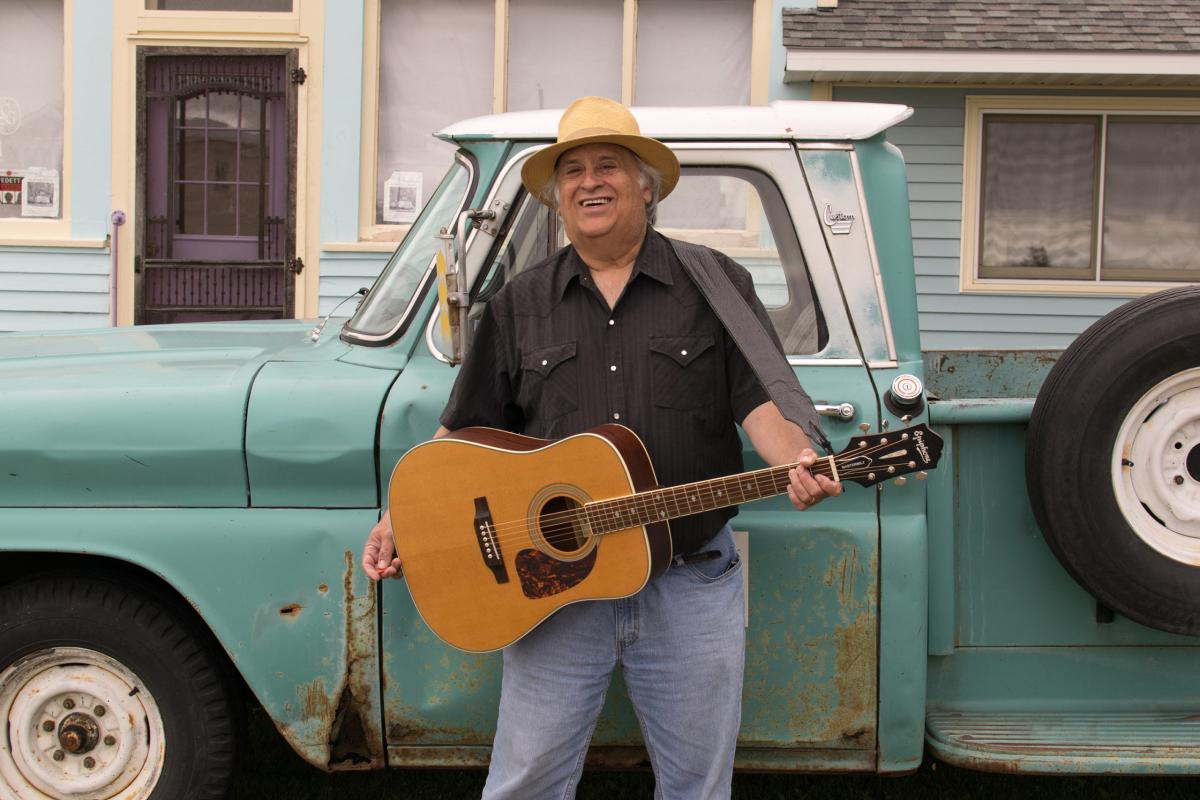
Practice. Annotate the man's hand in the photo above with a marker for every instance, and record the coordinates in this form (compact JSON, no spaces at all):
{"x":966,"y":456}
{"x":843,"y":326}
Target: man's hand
{"x":378,"y":558}
{"x":805,"y":490}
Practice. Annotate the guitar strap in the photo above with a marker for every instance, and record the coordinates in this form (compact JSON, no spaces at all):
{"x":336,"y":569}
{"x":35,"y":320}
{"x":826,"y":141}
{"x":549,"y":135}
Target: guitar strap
{"x":760,"y":351}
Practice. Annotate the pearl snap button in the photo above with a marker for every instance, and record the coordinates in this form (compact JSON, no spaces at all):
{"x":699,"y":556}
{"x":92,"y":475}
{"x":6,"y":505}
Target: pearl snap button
{"x":683,"y":352}
{"x":616,"y":416}
{"x":544,"y":362}
{"x":613,"y":368}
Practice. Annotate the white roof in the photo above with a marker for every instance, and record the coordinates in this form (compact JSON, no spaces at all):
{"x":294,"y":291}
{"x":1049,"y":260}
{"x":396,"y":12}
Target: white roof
{"x":801,"y":120}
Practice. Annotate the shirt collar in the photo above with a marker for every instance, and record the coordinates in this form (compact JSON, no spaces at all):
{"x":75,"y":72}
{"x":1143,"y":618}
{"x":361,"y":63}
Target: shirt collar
{"x":653,"y":261}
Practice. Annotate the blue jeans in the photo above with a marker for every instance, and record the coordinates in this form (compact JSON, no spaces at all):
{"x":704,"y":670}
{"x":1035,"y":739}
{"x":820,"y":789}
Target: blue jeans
{"x":681,"y":645}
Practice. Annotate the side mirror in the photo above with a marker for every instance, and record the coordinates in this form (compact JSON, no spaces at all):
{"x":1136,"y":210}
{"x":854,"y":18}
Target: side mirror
{"x":454,"y":299}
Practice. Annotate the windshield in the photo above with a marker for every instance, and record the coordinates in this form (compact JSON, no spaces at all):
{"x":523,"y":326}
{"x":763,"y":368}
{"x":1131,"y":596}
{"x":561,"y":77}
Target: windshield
{"x":383,"y":310}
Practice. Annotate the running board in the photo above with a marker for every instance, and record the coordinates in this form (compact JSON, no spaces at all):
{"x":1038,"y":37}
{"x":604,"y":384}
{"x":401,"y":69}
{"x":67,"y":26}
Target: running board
{"x":1067,"y":742}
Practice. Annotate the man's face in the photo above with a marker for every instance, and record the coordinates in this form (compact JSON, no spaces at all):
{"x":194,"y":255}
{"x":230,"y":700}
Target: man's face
{"x":599,"y":194}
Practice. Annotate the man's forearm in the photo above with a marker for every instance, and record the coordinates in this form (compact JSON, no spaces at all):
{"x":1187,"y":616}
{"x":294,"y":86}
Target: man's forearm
{"x":776,"y":439}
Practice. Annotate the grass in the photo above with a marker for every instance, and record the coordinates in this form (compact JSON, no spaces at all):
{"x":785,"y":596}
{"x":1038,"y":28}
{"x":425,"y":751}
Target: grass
{"x":271,"y":771}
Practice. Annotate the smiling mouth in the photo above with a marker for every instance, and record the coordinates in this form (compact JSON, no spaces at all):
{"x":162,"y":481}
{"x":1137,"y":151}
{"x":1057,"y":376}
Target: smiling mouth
{"x":599,"y":201}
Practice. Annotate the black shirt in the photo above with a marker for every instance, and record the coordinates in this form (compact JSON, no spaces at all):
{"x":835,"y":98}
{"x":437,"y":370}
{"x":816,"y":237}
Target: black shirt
{"x":550,"y":359}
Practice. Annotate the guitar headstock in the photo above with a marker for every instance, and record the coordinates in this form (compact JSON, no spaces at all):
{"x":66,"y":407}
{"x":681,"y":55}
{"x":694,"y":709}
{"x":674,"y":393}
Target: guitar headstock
{"x":876,"y":457}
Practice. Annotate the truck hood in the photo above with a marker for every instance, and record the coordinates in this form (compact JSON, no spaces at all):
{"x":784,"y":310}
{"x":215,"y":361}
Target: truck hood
{"x":146,"y":416}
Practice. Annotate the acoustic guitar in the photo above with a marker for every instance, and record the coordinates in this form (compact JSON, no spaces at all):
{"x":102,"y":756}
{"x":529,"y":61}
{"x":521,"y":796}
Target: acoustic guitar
{"x":528,"y":526}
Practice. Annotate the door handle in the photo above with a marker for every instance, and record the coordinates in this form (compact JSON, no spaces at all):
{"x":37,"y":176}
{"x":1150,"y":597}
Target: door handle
{"x":842,"y":411}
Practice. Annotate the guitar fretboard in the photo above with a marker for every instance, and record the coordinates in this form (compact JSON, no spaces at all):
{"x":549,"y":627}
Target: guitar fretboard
{"x":659,"y":505}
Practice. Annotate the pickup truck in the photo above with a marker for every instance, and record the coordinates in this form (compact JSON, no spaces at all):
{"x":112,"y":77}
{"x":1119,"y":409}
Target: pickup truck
{"x":182,"y":506}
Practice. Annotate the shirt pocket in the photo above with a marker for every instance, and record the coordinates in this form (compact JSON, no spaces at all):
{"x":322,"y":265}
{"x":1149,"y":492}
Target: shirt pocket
{"x":684,"y":371}
{"x":549,"y":381}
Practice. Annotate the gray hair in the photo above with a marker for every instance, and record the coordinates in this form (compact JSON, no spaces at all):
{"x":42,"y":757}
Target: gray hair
{"x":648,"y":178}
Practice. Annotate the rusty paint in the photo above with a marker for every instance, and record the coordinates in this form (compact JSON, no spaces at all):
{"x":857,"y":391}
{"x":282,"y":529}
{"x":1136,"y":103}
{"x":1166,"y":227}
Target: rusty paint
{"x":323,"y":588}
{"x":339,"y":729}
{"x":292,"y":610}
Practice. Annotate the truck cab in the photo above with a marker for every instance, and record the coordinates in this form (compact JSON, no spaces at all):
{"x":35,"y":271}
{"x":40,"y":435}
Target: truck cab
{"x":182,"y":506}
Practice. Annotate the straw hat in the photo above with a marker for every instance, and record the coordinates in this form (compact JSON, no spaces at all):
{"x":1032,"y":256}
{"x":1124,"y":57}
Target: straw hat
{"x":591,"y":120}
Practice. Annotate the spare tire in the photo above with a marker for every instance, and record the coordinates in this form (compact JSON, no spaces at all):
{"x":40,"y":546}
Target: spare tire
{"x":1112,"y":460}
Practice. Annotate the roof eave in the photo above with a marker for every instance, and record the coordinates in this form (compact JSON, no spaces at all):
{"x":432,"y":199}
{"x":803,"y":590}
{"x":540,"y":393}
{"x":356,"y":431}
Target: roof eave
{"x":1034,"y":67}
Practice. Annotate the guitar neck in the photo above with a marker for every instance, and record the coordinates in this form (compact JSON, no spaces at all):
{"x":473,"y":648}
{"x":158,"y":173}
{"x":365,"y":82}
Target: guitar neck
{"x":659,"y":505}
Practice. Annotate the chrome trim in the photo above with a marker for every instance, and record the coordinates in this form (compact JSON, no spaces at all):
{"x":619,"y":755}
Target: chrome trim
{"x":490,"y":202}
{"x":434,"y":350}
{"x":354,"y":337}
{"x":883,"y":364}
{"x":870,"y":233}
{"x":801,"y":361}
{"x":822,"y":146}
{"x":842,"y":411}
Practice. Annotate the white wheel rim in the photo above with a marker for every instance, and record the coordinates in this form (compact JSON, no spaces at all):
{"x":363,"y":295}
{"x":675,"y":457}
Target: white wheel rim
{"x":1156,"y":467}
{"x":47,"y":697}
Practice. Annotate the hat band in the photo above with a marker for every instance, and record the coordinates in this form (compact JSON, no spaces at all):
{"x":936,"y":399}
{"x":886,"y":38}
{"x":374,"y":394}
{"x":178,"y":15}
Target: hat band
{"x":585,"y":132}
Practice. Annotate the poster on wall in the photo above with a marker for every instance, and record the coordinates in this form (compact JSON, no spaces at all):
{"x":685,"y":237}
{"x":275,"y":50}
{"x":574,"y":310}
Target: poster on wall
{"x":402,"y":196}
{"x":39,"y":195}
{"x":10,"y":189}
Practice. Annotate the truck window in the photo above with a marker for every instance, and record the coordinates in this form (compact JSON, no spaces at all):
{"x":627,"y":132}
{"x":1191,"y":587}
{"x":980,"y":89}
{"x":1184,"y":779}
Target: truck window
{"x":740,"y":212}
{"x":735,"y":210}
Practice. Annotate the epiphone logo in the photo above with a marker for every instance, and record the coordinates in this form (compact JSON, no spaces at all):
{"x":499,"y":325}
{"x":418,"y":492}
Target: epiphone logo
{"x":922,"y":448}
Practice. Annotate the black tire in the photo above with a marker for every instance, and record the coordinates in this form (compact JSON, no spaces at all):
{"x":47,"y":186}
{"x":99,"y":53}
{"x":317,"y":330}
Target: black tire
{"x":66,"y":644}
{"x":1115,"y":538}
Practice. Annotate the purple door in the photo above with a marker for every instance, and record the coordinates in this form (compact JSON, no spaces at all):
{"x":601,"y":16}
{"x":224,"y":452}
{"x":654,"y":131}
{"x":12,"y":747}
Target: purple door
{"x":216,"y":153}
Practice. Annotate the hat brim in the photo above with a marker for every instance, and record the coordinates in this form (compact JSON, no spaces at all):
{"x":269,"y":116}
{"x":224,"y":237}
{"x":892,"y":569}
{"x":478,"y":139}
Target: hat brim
{"x":538,"y":169}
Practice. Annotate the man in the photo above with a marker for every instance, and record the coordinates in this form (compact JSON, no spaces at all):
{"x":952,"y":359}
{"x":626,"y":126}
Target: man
{"x":611,"y":329}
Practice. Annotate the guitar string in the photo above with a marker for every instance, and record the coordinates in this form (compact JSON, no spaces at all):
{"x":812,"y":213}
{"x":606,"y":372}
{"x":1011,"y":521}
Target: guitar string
{"x":518,"y":530}
{"x":502,"y":531}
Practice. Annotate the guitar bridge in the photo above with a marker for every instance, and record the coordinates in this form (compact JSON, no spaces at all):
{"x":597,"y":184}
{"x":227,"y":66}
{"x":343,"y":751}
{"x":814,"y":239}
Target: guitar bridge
{"x":489,"y":545}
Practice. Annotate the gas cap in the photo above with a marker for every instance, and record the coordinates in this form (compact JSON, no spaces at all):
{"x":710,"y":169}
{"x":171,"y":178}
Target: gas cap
{"x":906,"y":397}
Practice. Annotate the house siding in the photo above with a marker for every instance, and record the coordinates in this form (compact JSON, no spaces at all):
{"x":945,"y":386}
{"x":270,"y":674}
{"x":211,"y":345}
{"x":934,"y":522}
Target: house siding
{"x":932,"y":143}
{"x":52,"y":288}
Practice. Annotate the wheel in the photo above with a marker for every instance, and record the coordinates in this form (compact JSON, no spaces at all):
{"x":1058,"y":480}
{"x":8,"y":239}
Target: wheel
{"x":1113,"y":460}
{"x":106,"y":693}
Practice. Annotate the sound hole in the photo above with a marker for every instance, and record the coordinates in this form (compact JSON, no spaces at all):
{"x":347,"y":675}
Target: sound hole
{"x":561,"y":522}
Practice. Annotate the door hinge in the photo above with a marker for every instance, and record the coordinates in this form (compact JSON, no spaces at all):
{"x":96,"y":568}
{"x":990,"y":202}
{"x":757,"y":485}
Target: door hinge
{"x":137,"y":265}
{"x":296,"y":265}
{"x":299,"y":75}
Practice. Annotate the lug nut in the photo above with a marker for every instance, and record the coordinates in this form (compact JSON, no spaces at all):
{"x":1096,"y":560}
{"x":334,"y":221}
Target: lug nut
{"x":59,"y":755}
{"x":89,"y":762}
{"x":100,"y":710}
{"x":68,"y":703}
{"x":47,"y":726}
{"x":110,"y":740}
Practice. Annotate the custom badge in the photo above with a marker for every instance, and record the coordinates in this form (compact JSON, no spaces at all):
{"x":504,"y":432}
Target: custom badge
{"x":839,"y":223}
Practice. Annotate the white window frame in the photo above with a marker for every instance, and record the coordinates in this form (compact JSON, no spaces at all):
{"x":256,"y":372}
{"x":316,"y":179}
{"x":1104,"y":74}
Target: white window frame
{"x":976,"y":107}
{"x":19,"y":231}
{"x":374,"y":236}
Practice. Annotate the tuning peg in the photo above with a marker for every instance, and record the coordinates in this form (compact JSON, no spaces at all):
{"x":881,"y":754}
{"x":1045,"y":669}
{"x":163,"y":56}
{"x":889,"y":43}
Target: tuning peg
{"x":901,"y":480}
{"x":883,"y":426}
{"x":864,"y":426}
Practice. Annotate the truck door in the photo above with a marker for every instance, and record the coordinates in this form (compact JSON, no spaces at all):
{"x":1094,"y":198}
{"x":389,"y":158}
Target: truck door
{"x":810,"y":689}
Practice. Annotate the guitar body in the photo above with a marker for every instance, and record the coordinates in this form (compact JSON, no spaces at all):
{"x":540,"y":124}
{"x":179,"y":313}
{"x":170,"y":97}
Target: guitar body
{"x":492,"y":537}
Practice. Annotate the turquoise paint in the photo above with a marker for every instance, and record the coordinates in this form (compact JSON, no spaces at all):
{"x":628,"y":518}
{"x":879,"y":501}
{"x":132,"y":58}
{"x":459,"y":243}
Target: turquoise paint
{"x":882,"y":169}
{"x":163,"y":404}
{"x":240,"y":569}
{"x":310,"y":435}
